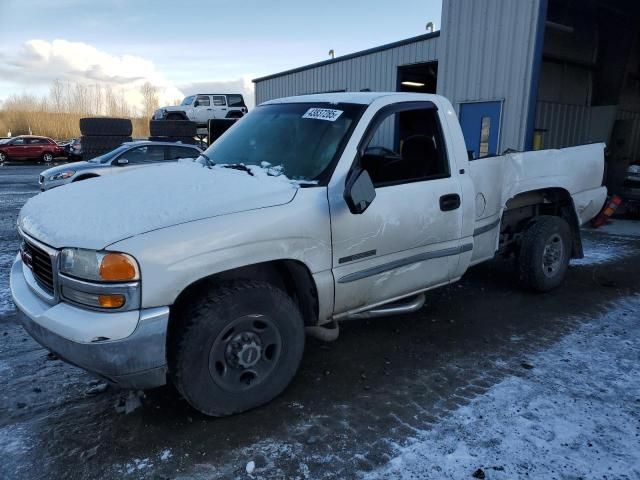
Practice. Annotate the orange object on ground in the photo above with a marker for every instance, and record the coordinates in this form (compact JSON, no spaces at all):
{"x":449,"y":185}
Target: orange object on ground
{"x":607,"y":211}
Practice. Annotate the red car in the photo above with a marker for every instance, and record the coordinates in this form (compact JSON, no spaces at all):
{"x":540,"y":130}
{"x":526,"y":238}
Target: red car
{"x":28,"y":146}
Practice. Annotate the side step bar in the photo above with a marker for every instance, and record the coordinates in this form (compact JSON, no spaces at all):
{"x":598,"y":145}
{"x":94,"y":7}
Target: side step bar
{"x":410,"y":305}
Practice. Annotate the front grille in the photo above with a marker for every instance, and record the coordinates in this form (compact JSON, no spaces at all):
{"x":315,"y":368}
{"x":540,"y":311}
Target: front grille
{"x":41,"y":266}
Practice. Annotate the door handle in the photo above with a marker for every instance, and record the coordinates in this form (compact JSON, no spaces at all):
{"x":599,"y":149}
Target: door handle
{"x":449,"y":202}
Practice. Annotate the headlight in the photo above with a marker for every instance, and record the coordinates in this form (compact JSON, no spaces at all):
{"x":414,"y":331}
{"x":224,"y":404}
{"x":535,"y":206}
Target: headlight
{"x":98,"y":266}
{"x":62,"y":175}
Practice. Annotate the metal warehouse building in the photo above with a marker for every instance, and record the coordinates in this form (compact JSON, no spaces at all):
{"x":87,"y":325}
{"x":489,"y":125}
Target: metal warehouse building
{"x":521,"y":74}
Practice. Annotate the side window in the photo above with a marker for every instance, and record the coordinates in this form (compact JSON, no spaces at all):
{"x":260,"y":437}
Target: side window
{"x":37,"y":141}
{"x":144,"y":154}
{"x":485,"y":130}
{"x":235,"y":100}
{"x":203,"y":101}
{"x":18,"y":141}
{"x":406,"y":146}
{"x":219,"y":101}
{"x":174,"y":153}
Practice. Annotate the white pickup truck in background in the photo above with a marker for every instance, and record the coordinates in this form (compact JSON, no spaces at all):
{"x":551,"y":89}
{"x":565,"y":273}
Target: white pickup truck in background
{"x":310,"y":210}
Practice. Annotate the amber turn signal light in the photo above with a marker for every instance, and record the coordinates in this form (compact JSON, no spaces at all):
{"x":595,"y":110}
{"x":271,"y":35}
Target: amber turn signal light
{"x":118,"y":267}
{"x":111,"y":301}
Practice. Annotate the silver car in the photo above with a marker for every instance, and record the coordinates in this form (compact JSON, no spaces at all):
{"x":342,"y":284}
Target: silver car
{"x":127,"y":156}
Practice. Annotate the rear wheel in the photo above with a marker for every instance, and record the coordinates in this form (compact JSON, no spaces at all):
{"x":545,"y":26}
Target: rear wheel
{"x":237,"y":347}
{"x":544,"y":253}
{"x":47,"y":157}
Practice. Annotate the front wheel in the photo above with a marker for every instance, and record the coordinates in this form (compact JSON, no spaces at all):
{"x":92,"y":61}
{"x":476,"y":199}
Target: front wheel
{"x":236,"y":348}
{"x":544,"y":253}
{"x":47,"y":157}
{"x":3,"y":157}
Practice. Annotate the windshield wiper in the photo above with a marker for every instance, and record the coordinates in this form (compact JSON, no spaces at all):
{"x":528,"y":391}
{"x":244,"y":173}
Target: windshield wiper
{"x":207,"y":161}
{"x":238,"y":166}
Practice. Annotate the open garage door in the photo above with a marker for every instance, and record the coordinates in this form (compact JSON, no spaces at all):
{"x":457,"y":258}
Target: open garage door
{"x":418,"y":77}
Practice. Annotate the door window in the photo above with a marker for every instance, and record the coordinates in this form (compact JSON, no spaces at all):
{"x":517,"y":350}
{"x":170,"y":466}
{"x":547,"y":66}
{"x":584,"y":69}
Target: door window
{"x":404,"y":147}
{"x":203,"y":101}
{"x":37,"y":141}
{"x":219,"y":101}
{"x":144,"y":154}
{"x":174,"y":153}
{"x":485,"y":129}
{"x":18,"y":141}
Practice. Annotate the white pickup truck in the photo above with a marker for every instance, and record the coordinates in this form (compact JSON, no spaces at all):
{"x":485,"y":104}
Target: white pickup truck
{"x":309,"y":211}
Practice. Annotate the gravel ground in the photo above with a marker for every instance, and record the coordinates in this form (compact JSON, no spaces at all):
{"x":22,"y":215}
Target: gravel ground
{"x":485,"y":380}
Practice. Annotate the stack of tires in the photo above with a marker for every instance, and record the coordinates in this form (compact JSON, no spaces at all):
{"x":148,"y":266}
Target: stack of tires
{"x":217,"y":126}
{"x":101,"y":135}
{"x":183,"y":131}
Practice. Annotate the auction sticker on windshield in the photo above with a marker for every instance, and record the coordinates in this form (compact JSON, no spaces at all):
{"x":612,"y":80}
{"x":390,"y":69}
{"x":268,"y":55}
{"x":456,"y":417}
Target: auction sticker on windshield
{"x":323,"y":114}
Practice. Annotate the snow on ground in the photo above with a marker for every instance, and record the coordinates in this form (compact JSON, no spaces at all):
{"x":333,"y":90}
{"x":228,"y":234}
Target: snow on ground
{"x":6,"y":303}
{"x":553,"y":422}
{"x":604,"y":249}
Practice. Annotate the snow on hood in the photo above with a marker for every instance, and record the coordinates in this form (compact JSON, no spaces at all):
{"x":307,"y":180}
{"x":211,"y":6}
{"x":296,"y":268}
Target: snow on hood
{"x":95,"y":213}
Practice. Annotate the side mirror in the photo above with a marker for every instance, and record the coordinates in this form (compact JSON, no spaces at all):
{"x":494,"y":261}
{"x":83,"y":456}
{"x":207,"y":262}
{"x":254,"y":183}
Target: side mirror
{"x":196,"y":103}
{"x":359,"y":192}
{"x":122,"y":162}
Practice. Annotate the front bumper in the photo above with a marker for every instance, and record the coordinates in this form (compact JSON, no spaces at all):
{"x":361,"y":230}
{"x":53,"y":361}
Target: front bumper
{"x":137,"y":360}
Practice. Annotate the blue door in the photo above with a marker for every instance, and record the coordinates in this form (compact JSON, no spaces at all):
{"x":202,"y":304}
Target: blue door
{"x":480,"y":123}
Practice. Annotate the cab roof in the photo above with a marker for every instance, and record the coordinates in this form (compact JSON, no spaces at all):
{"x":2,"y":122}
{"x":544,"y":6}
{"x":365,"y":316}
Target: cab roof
{"x":362,"y":98}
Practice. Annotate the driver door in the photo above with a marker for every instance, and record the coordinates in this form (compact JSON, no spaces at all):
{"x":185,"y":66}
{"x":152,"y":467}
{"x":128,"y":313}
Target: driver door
{"x":409,"y":238}
{"x":202,"y":109}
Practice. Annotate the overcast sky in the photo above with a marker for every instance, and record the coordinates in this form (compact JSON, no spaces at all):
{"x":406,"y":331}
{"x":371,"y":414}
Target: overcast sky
{"x":185,"y":46}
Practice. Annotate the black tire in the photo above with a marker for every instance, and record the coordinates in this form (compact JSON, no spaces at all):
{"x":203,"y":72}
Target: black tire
{"x":545,"y":251}
{"x":95,"y":146}
{"x":185,"y":140}
{"x":220,"y":329}
{"x":47,"y":157}
{"x":103,"y":126}
{"x":3,"y":157}
{"x":218,"y":126}
{"x":172,"y":128}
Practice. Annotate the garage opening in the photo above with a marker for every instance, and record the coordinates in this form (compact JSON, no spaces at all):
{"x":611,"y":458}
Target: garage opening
{"x":589,"y":88}
{"x":418,"y":78}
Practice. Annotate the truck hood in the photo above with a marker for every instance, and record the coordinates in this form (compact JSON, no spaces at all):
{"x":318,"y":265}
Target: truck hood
{"x":175,"y":108}
{"x":98,"y":212}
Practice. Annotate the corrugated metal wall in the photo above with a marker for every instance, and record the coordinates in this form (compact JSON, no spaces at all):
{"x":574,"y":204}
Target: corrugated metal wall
{"x":487,"y":53}
{"x":376,"y":71}
{"x":566,"y":125}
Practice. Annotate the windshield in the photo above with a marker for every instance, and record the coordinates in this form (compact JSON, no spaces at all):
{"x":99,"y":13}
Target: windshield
{"x":107,"y":157}
{"x":301,"y":140}
{"x":188,"y":100}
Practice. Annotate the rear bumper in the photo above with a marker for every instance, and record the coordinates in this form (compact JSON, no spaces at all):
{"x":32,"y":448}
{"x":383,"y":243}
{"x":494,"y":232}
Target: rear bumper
{"x":136,"y":361}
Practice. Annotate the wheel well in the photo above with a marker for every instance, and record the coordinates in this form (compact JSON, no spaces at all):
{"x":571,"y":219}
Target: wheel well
{"x":173,"y":115}
{"x":291,"y":276}
{"x":522,"y":209}
{"x":85,"y":177}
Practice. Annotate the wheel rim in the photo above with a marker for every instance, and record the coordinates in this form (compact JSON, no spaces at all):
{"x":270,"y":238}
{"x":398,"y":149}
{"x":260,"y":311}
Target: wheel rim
{"x":2,"y":157}
{"x":552,"y":255}
{"x":48,"y":157}
{"x":245,"y":352}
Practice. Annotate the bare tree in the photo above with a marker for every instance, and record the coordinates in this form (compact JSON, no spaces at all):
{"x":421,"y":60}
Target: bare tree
{"x":150,"y":101}
{"x":57,"y":96}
